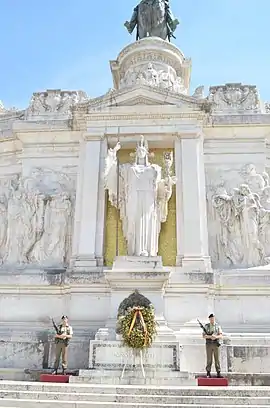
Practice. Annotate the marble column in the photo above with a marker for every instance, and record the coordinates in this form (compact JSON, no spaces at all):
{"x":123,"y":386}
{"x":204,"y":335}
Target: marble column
{"x":192,"y":233}
{"x":87,"y":211}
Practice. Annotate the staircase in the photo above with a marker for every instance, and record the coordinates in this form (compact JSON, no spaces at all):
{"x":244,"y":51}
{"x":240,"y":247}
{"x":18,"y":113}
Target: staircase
{"x":46,"y":395}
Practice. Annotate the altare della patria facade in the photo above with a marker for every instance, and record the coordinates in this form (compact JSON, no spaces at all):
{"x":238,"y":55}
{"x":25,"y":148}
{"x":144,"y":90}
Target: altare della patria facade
{"x":150,"y":187}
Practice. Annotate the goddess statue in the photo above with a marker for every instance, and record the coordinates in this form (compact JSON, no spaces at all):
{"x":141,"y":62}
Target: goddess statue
{"x":142,"y":195}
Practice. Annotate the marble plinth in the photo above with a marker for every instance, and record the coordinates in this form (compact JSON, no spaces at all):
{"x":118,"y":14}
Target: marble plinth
{"x":112,"y":363}
{"x":112,"y":355}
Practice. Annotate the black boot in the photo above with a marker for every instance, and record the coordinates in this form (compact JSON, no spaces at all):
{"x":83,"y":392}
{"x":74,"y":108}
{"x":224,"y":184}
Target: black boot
{"x":208,"y":374}
{"x":54,"y":372}
{"x":219,"y":375}
{"x":64,"y":371}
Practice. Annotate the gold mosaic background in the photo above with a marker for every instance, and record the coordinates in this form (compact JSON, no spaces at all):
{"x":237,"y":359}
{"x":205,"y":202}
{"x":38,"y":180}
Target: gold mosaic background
{"x":167,"y":237}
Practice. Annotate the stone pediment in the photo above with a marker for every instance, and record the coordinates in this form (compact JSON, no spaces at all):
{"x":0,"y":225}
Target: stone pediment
{"x":143,"y":96}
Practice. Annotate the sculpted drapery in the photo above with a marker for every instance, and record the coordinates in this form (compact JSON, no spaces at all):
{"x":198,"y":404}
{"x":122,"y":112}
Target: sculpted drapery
{"x":243,"y":236}
{"x":141,"y":194}
{"x":36,"y":215}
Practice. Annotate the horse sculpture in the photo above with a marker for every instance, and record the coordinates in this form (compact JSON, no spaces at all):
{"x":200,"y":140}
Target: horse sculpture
{"x":153,"y":18}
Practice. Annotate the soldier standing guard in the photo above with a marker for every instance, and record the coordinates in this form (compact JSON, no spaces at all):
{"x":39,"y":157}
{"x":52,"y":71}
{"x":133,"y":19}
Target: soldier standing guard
{"x":62,"y":339}
{"x":213,"y":338}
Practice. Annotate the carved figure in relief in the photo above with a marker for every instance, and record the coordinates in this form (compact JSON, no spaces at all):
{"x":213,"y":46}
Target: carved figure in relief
{"x":230,"y":248}
{"x":142,"y":197}
{"x":240,"y":226}
{"x":266,"y":178}
{"x":152,"y":76}
{"x":255,"y":181}
{"x":265,"y":198}
{"x":249,"y":219}
{"x":39,"y":216}
{"x":3,"y":226}
{"x":153,"y":18}
{"x":16,"y":228}
{"x":59,"y":215}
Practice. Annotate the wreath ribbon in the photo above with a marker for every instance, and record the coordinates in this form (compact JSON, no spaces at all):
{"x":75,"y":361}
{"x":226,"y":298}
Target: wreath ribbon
{"x":138,"y":314}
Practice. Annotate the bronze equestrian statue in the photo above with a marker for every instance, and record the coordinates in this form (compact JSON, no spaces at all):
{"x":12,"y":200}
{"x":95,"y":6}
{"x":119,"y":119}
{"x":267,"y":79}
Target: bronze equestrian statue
{"x":153,"y":18}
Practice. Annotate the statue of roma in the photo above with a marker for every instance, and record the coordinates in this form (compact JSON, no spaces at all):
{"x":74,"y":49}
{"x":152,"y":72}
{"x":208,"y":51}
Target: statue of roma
{"x":153,"y":18}
{"x":141,"y":194}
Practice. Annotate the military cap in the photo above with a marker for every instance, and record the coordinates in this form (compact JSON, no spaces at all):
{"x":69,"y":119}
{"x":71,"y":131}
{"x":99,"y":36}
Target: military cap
{"x":211,"y":315}
{"x":64,"y":317}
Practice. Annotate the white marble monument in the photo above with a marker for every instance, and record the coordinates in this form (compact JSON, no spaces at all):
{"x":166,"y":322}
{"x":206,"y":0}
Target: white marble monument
{"x":84,"y":224}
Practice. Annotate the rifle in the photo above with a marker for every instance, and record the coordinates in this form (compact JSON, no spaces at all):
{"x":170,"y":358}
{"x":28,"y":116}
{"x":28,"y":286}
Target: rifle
{"x":56,"y":328}
{"x":203,"y":328}
{"x":217,"y":341}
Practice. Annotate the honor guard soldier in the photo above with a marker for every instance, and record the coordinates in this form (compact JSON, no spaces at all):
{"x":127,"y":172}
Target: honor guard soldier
{"x":213,"y":335}
{"x":62,"y":338}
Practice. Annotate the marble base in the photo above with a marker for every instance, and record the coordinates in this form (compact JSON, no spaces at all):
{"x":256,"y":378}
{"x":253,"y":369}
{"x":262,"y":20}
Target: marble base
{"x":138,"y":262}
{"x":112,"y":355}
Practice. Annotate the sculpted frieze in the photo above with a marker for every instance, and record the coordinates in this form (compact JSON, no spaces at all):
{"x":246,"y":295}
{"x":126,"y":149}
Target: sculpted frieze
{"x":151,"y":75}
{"x":36,"y":219}
{"x":54,"y":102}
{"x":239,"y":219}
{"x":267,"y":107}
{"x":235,"y":98}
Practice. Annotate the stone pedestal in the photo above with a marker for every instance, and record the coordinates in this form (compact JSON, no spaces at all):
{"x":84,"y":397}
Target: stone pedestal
{"x":148,"y":276}
{"x":112,"y":363}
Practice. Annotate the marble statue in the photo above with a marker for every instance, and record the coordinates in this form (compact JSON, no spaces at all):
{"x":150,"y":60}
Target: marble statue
{"x":141,"y":195}
{"x":153,"y":18}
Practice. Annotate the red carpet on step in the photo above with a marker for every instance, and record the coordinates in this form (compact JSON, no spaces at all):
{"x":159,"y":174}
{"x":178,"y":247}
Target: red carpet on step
{"x":54,"y":378}
{"x":212,"y":382}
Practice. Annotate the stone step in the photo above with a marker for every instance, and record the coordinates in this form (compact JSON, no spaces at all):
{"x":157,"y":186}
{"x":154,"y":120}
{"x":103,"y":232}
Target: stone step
{"x":135,"y":390}
{"x":26,"y":403}
{"x":133,"y":398}
{"x":134,"y":377}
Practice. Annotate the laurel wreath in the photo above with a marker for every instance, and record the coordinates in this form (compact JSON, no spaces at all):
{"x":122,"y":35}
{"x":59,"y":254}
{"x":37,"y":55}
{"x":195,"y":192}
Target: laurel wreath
{"x":138,"y":327}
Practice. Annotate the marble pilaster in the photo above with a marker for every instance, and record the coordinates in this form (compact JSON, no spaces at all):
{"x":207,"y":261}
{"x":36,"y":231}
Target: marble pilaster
{"x":192,"y":235}
{"x":87,"y":203}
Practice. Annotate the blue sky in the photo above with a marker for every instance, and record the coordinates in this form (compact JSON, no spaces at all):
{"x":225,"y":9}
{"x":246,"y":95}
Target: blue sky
{"x":68,"y":44}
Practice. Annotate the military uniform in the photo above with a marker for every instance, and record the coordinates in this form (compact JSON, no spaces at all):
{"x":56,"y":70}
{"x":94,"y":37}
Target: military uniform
{"x":213,"y":348}
{"x":61,"y":346}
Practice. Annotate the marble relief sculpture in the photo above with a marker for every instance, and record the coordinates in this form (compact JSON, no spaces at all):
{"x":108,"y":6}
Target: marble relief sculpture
{"x":36,"y":217}
{"x":141,"y":194}
{"x":234,"y":98}
{"x":54,"y":101}
{"x":152,"y":76}
{"x":243,"y":222}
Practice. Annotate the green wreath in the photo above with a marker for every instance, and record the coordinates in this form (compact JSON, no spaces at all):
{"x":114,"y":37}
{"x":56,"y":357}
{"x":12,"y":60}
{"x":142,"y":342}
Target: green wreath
{"x":138,"y":327}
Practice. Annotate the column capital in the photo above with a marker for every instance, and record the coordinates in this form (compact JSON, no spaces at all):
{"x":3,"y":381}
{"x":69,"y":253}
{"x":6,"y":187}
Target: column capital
{"x":195,"y":133}
{"x":93,"y":136}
